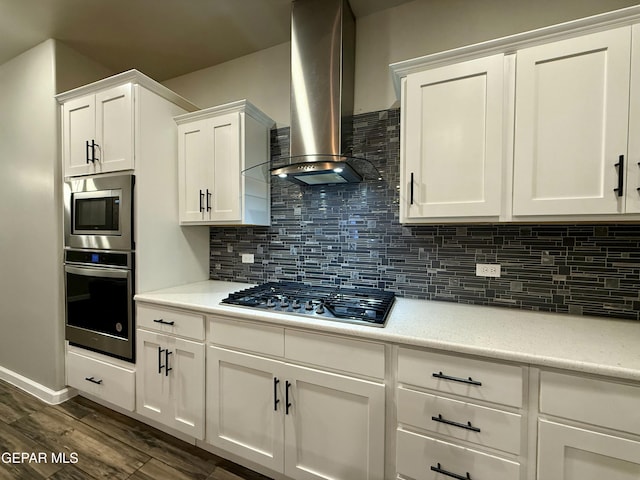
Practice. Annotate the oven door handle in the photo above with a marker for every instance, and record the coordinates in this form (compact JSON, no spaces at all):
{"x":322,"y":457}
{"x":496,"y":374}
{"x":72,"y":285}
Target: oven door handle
{"x":97,"y":272}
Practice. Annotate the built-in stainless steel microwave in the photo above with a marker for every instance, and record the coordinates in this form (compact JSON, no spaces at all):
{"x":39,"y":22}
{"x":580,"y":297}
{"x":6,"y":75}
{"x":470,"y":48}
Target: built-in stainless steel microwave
{"x":98,"y":212}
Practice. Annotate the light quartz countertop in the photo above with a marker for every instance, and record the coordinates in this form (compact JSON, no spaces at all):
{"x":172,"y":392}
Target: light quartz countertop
{"x":593,"y":345}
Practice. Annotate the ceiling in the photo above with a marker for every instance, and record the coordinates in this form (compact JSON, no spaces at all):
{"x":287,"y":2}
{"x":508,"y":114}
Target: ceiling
{"x":162,"y":38}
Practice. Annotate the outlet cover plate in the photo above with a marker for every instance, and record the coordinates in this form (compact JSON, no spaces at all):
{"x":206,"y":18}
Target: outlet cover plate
{"x":487,"y":270}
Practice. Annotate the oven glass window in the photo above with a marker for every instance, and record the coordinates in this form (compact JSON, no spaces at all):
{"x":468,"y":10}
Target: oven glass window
{"x":99,"y":214}
{"x":99,"y":304}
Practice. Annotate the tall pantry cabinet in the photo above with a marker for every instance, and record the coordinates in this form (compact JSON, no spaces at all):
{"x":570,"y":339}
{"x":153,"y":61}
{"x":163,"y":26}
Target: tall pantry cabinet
{"x":124,"y":123}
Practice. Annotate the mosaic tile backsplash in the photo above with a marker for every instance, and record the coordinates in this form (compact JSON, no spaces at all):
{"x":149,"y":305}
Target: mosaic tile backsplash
{"x":350,"y":235}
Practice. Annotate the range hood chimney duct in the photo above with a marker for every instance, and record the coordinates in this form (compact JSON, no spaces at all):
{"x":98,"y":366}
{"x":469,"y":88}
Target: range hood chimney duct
{"x":322,"y":78}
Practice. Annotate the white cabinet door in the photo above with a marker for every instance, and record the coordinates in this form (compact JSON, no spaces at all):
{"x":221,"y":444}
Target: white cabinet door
{"x":170,"y":386}
{"x":78,"y":125}
{"x":453,"y":140}
{"x":193,"y":173}
{"x":571,"y":453}
{"x":334,"y":427}
{"x":633,"y":168}
{"x":245,"y":405}
{"x":572,"y":101}
{"x":210,"y":164}
{"x":98,"y":132}
{"x":223,"y":200}
{"x":114,"y":129}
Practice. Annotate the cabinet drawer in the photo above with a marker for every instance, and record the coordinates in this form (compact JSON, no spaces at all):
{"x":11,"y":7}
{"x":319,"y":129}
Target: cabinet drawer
{"x":344,"y":354}
{"x":485,"y":426}
{"x":253,"y":337}
{"x":111,"y":383}
{"x":418,"y":456}
{"x":176,"y":322}
{"x":479,"y":379}
{"x":590,"y":400}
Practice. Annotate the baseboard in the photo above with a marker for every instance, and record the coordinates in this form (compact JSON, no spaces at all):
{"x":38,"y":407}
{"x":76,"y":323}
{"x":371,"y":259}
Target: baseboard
{"x":52,"y":397}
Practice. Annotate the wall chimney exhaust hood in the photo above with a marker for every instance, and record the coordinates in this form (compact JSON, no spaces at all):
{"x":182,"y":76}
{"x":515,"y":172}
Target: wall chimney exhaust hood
{"x":322,"y":74}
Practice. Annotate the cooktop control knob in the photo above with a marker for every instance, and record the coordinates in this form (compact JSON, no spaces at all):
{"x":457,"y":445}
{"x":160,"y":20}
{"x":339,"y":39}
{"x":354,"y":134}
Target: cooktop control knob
{"x":284,"y":303}
{"x":295,"y":304}
{"x":270,"y":303}
{"x":320,"y":308}
{"x":308,"y":305}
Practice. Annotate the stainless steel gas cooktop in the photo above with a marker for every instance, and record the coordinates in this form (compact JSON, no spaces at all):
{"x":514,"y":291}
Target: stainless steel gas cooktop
{"x":366,"y":306}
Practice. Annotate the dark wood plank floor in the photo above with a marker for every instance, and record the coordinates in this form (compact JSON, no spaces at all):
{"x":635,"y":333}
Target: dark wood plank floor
{"x":81,"y":440}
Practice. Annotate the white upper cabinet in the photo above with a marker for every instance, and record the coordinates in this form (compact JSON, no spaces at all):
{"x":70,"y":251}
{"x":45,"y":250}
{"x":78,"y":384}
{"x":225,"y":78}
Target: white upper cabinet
{"x":98,"y":132}
{"x":572,"y":104}
{"x":452,"y":154}
{"x":223,"y":166}
{"x":633,"y":165}
{"x":539,"y":126}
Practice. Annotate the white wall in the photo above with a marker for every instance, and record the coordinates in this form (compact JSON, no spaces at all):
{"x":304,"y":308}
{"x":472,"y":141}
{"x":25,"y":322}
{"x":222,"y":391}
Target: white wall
{"x":411,"y":30}
{"x":31,"y":278}
{"x":31,"y":316}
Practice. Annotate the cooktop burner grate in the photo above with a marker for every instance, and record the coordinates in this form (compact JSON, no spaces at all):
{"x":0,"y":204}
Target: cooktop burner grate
{"x":356,"y":305}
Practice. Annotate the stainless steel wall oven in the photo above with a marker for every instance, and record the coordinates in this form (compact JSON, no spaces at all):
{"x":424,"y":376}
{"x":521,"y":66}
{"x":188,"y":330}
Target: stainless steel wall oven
{"x":99,"y":264}
{"x":99,"y":288}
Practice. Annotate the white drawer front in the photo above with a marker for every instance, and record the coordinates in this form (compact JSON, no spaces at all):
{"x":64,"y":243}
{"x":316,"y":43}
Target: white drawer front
{"x":166,"y":320}
{"x":253,"y":337}
{"x":344,"y":354}
{"x":589,"y":400}
{"x":109,"y":382}
{"x":479,"y":379}
{"x":418,"y":456}
{"x":484,"y":426}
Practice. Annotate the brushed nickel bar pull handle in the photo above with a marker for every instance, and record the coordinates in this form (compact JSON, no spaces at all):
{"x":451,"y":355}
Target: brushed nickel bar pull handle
{"x":470,"y":380}
{"x":466,"y":426}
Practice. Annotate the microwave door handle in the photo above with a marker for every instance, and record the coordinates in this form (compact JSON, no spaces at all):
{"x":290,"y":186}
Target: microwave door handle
{"x":97,"y":272}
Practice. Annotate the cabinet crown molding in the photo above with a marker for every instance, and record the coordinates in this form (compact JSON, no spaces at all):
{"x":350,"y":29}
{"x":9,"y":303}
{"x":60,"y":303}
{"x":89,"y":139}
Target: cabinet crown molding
{"x":231,"y":107}
{"x":133,"y":76}
{"x":511,"y":43}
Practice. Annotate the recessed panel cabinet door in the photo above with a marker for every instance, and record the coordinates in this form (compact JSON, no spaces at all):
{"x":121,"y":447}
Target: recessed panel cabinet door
{"x":572,"y":101}
{"x":224,"y":196}
{"x":453,"y":141}
{"x":114,"y":129}
{"x":78,"y":128}
{"x":571,"y":453}
{"x":194,"y":170}
{"x":633,"y":172}
{"x":334,"y":427}
{"x":245,"y":406}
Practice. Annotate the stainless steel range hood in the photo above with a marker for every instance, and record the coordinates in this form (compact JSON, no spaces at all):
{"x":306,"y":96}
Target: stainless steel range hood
{"x":322,"y":73}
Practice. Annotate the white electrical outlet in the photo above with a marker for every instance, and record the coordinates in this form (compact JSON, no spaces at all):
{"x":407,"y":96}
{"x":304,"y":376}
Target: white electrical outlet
{"x":247,"y":258}
{"x":487,"y":269}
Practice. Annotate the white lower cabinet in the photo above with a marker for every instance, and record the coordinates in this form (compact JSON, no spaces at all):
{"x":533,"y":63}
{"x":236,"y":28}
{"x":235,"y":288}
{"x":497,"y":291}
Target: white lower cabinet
{"x":588,"y":429}
{"x":102,"y":377}
{"x":170,"y":384}
{"x":572,"y":453}
{"x":303,"y":422}
{"x":459,"y":417}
